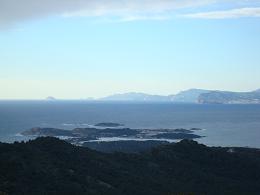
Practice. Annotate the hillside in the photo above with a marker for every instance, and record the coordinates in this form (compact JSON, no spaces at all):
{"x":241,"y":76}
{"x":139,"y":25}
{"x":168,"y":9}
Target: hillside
{"x":51,"y":166}
{"x":92,"y":137}
{"x":133,"y":96}
{"x":188,"y":96}
{"x":192,"y":96}
{"x":225,"y":97}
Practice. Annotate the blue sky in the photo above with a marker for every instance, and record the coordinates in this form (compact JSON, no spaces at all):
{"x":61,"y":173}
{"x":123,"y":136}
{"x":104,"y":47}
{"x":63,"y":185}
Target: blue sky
{"x":78,"y":49}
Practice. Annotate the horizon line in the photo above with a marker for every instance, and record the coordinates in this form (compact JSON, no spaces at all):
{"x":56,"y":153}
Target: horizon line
{"x":52,"y":98}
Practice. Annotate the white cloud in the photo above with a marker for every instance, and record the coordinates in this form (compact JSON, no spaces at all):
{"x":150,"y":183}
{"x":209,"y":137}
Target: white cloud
{"x":12,"y":11}
{"x":129,"y":7}
{"x":233,"y":13}
{"x":144,"y":17}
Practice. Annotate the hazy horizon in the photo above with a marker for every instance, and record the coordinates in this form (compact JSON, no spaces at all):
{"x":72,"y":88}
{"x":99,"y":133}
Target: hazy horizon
{"x":76,"y":49}
{"x":123,"y":93}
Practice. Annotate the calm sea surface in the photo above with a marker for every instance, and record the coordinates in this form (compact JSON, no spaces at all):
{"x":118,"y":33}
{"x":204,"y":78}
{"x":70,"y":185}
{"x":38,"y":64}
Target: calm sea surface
{"x":225,"y":125}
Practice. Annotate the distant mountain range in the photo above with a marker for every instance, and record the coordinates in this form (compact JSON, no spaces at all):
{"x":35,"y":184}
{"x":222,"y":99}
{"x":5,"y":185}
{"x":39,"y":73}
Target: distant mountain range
{"x":226,"y":97}
{"x":133,"y":96}
{"x":188,"y":96}
{"x":192,"y":96}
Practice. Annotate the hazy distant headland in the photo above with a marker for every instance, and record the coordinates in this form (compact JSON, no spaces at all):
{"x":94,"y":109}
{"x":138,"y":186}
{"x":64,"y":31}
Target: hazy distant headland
{"x":194,"y":96}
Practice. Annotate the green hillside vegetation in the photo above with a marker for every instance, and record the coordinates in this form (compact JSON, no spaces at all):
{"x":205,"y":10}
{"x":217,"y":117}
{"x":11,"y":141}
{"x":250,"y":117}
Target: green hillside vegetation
{"x":51,"y":166}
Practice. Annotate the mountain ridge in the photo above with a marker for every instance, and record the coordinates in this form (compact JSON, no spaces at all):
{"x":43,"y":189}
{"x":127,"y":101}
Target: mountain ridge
{"x":197,"y":96}
{"x":226,"y":97}
{"x":134,"y":96}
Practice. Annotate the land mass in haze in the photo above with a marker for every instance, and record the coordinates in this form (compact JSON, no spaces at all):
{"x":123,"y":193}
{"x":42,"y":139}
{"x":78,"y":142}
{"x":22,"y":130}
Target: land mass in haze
{"x":50,"y":98}
{"x":51,"y":166}
{"x":198,"y":96}
{"x":226,"y":97}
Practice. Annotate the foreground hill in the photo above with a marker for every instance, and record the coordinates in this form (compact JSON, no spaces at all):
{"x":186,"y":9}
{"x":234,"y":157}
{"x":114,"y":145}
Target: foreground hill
{"x":51,"y":166}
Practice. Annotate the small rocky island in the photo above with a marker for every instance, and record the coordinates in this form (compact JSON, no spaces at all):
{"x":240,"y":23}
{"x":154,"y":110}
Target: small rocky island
{"x":115,"y":138}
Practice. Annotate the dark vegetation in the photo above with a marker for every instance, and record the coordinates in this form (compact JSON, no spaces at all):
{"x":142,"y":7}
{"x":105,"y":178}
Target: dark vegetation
{"x":51,"y":166}
{"x":86,"y":133}
{"x":108,"y":124}
{"x":176,"y":136}
{"x":124,"y":146}
{"x":79,"y":135}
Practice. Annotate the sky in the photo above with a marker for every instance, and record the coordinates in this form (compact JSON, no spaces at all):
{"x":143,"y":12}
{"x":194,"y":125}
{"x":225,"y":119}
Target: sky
{"x":74,"y":49}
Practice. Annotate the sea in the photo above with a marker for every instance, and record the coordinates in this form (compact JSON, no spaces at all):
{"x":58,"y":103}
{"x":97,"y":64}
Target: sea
{"x":222,"y":125}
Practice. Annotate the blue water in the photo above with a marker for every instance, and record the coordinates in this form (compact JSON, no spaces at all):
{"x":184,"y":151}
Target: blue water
{"x":226,"y":125}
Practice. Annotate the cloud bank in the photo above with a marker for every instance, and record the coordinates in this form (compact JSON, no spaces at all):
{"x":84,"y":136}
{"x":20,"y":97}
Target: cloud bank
{"x":233,"y":13}
{"x":13,"y":11}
